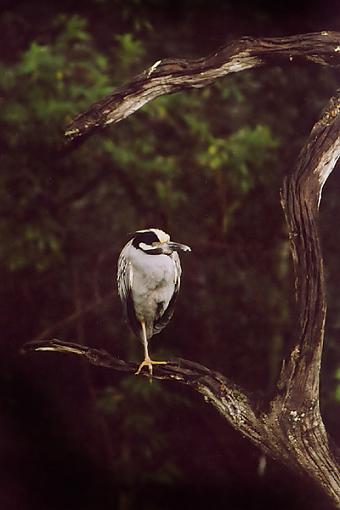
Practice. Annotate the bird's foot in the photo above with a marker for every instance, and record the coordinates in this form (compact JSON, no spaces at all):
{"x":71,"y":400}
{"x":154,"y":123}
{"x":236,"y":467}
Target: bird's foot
{"x":148,"y":363}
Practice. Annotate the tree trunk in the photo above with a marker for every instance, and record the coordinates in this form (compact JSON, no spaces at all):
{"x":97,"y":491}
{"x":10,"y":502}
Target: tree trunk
{"x":289,"y":427}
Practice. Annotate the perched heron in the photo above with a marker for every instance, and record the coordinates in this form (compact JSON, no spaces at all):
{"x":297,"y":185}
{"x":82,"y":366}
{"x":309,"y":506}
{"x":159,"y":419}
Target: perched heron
{"x":149,"y":275}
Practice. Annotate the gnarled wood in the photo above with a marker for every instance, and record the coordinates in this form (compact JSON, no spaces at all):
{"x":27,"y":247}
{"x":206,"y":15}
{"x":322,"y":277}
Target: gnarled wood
{"x":296,"y":406}
{"x":301,"y":197}
{"x":289,"y":427}
{"x":230,"y":400}
{"x":171,"y":75}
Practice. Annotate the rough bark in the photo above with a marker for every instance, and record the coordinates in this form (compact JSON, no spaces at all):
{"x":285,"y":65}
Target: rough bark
{"x":171,"y":75}
{"x":289,"y":426}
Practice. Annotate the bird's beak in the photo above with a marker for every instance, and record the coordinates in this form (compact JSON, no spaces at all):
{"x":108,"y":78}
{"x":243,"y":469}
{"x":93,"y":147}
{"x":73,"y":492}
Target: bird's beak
{"x":177,"y":247}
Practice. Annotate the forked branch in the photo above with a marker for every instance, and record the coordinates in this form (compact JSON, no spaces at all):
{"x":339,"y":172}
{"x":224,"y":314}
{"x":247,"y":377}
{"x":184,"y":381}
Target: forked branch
{"x":289,"y":427}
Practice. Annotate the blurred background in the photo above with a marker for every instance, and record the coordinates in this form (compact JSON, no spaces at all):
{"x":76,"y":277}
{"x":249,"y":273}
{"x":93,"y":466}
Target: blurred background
{"x":204,"y":165}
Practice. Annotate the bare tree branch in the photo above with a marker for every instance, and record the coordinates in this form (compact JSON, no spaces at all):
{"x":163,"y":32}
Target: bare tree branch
{"x":289,"y":426}
{"x":296,"y":407}
{"x":300,"y":200}
{"x":234,"y":403}
{"x":171,"y":75}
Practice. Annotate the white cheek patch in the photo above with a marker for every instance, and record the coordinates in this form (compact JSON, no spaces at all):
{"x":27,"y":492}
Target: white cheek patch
{"x":145,"y":247}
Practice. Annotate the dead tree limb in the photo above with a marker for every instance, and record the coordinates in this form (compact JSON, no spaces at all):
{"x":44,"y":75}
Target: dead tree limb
{"x":171,"y":75}
{"x":296,"y":407}
{"x":236,"y":405}
{"x":289,"y":426}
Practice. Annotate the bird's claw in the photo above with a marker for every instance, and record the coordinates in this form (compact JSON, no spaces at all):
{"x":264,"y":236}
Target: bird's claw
{"x":148,"y":363}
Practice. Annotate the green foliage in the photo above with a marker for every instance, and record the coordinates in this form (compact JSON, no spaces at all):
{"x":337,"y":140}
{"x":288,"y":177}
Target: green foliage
{"x":129,"y":51}
{"x":241,"y":154}
{"x":40,"y":92}
{"x":337,"y":389}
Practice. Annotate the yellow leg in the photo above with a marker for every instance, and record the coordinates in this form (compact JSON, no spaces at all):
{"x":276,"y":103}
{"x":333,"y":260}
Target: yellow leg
{"x":148,"y":362}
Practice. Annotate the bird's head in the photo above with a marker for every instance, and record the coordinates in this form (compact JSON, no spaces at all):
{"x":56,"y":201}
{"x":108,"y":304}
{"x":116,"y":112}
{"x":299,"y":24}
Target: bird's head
{"x":154,"y":241}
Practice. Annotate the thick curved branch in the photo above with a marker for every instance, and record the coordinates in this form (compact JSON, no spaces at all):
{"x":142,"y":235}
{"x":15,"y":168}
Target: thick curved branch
{"x":171,"y":75}
{"x":233,"y":402}
{"x":299,"y":429}
{"x":300,"y":200}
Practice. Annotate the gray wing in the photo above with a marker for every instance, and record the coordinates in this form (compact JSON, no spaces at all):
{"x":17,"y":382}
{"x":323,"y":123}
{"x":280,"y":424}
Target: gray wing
{"x":164,"y":318}
{"x":124,"y":278}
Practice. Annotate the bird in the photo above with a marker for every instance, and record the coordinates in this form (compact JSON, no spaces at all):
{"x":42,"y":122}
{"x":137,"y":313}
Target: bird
{"x":148,"y":278}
